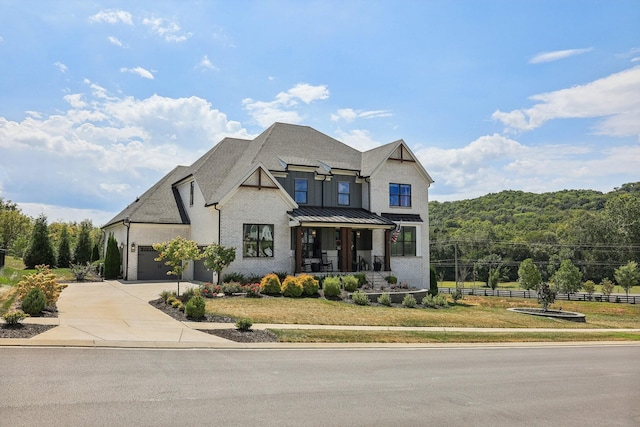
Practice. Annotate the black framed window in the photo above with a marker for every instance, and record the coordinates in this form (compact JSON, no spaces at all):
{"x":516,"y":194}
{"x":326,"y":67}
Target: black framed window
{"x":257,"y":241}
{"x":344,"y":194}
{"x":405,"y":245}
{"x":300,"y":190}
{"x":400,"y":195}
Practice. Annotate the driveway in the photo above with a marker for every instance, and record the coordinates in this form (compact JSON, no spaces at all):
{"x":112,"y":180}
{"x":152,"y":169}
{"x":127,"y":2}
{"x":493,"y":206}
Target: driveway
{"x":115,"y":313}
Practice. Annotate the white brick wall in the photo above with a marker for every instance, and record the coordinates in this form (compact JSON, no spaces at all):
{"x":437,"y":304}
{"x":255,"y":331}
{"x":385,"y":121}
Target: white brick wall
{"x":413,"y":270}
{"x":253,"y":206}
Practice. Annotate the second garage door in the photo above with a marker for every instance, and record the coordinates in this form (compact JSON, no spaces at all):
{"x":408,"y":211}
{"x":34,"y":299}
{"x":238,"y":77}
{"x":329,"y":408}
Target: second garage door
{"x":149,"y":268}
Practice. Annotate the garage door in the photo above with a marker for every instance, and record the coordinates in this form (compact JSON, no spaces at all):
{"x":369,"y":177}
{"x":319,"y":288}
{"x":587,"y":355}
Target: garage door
{"x":201,"y":273}
{"x":149,"y":268}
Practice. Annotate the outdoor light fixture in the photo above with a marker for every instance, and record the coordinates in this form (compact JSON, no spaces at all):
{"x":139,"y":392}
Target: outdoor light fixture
{"x":133,"y":247}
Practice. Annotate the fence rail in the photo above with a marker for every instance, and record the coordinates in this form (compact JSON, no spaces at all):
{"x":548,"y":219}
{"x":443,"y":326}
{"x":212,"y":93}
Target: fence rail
{"x":578,"y":296}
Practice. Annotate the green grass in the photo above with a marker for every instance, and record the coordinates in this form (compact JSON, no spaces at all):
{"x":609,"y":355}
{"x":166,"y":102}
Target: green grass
{"x":417,"y":337}
{"x":478,"y":312}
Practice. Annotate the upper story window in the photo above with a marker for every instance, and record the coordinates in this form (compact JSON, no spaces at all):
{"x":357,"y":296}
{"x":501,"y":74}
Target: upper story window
{"x":344,"y":197}
{"x":300,"y":190}
{"x":400,"y":195}
{"x":191,"y":190}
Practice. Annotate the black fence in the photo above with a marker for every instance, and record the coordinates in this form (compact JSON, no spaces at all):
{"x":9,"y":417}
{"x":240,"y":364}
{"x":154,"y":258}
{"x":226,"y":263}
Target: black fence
{"x":578,"y":296}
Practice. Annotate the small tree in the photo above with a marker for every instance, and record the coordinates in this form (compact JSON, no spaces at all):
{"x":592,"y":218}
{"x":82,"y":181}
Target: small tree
{"x":82,"y":252}
{"x":568,"y":278}
{"x":64,"y":251}
{"x":95,"y":253}
{"x":607,"y":286}
{"x":589,"y":287}
{"x":529,"y":276}
{"x":627,"y":276}
{"x":217,"y":257}
{"x":433,"y":282}
{"x":112,"y":259}
{"x":546,"y":295}
{"x":176,"y":254}
{"x":39,"y":251}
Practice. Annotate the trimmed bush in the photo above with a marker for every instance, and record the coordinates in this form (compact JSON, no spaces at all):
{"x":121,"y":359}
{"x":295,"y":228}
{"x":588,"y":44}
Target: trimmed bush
{"x":360,"y":298}
{"x":34,"y":302}
{"x":385,"y":299}
{"x":195,"y":307}
{"x":291,"y":287}
{"x":362,"y":279}
{"x":331,"y":287}
{"x":309,"y":284}
{"x":234,"y":277}
{"x":409,"y":301}
{"x":440,"y":300}
{"x":350,"y":283}
{"x":244,"y":324}
{"x":428,"y":301}
{"x":455,"y":295}
{"x":44,"y":280}
{"x":392,"y":280}
{"x":270,"y":284}
{"x":187,"y":295}
{"x":230,"y":288}
{"x":252,"y":290}
{"x":13,"y":318}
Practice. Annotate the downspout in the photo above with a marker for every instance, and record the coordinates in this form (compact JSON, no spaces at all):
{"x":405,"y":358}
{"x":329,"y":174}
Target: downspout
{"x":215,"y":206}
{"x":127,"y":223}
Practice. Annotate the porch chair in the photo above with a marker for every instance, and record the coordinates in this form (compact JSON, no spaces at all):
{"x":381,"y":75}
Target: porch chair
{"x":326,"y":264}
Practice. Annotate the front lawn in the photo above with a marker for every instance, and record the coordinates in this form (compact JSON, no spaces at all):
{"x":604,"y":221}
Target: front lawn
{"x":473,"y":312}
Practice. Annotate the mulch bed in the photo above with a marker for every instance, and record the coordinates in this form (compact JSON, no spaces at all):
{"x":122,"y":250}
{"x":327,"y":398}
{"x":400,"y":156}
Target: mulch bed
{"x":28,"y":330}
{"x":251,"y":336}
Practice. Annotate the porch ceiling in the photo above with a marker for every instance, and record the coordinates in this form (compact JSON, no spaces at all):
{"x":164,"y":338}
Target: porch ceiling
{"x":339,"y":217}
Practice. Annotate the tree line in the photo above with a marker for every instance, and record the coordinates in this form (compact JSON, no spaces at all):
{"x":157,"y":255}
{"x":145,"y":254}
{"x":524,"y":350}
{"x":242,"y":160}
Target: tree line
{"x":487,"y":238}
{"x":37,"y":242}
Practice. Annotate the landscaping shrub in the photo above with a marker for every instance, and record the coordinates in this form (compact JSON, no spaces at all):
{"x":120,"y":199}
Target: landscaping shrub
{"x":234,"y":277}
{"x":331,"y":287}
{"x":42,"y":279}
{"x":244,"y":324}
{"x":350,"y":283}
{"x":456,"y":295}
{"x":362,"y":279}
{"x":409,"y":301}
{"x":433,"y":282}
{"x":195,"y":307}
{"x":281,"y":275}
{"x":230,"y":288}
{"x":291,"y":287}
{"x":270,"y":284}
{"x":209,"y":290}
{"x":392,"y":280}
{"x":13,"y":318}
{"x":309,"y":284}
{"x":34,"y":302}
{"x":252,"y":278}
{"x":428,"y":301}
{"x":440,"y":300}
{"x":187,"y":295}
{"x":252,"y":290}
{"x":165,"y":295}
{"x":112,"y":259}
{"x":385,"y":299}
{"x":360,"y":298}
{"x":81,"y":271}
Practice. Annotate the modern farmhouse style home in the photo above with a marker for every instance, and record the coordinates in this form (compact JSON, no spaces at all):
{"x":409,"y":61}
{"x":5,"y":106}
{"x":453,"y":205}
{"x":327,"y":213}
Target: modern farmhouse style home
{"x":293,"y":199}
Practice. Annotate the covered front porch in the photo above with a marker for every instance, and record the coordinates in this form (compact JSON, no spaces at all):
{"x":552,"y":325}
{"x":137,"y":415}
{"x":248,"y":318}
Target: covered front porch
{"x":328,"y":240}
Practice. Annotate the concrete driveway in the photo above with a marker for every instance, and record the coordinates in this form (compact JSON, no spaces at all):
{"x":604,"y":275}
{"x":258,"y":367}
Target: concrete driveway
{"x":116,"y":313}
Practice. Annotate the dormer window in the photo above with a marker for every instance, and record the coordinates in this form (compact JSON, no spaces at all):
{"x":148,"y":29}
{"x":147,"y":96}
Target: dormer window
{"x":300,"y":191}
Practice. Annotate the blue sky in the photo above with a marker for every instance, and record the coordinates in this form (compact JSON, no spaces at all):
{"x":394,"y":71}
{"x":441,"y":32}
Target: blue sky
{"x":98,"y":100}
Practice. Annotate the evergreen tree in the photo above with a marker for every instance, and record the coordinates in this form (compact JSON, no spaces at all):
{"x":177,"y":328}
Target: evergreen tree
{"x":95,"y":254}
{"x":112,"y":259}
{"x":39,"y":250}
{"x":64,"y":252}
{"x":433,"y":282}
{"x":82,"y":253}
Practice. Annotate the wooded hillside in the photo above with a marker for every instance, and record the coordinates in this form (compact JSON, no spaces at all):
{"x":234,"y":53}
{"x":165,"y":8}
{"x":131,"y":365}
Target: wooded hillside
{"x":597,"y":231}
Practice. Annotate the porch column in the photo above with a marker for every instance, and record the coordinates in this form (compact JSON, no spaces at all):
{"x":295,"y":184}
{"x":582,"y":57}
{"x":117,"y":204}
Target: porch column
{"x":298,"y":249}
{"x":387,"y":250}
{"x":345,"y":255}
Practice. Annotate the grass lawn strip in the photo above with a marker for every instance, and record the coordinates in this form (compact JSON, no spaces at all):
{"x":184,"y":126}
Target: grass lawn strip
{"x":420,"y":337}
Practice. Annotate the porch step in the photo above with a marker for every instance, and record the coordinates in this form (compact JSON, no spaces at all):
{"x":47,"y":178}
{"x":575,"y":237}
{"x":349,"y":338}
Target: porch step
{"x":377,"y":278}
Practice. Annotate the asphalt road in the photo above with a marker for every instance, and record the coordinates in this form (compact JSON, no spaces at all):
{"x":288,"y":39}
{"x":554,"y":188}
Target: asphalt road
{"x":537,"y":386}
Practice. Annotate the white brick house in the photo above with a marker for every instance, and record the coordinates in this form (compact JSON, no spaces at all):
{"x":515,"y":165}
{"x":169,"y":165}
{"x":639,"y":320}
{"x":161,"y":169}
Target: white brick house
{"x":290,"y":200}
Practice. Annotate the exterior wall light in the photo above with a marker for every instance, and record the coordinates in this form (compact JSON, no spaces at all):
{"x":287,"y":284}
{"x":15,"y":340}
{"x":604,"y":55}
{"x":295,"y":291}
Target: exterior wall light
{"x":133,"y":247}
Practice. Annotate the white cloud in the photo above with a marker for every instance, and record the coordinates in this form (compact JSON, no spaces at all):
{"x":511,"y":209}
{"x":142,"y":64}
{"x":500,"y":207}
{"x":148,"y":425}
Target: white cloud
{"x":359,"y":139}
{"x":1,"y":39}
{"x":615,"y":99}
{"x":63,"y":68}
{"x":146,"y":74}
{"x":349,"y":114}
{"x":115,"y":41}
{"x":112,"y":16}
{"x":206,"y":64}
{"x":281,"y":108}
{"x":557,"y":55}
{"x":168,"y":30}
{"x":65,"y":214}
{"x":105,"y":150}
